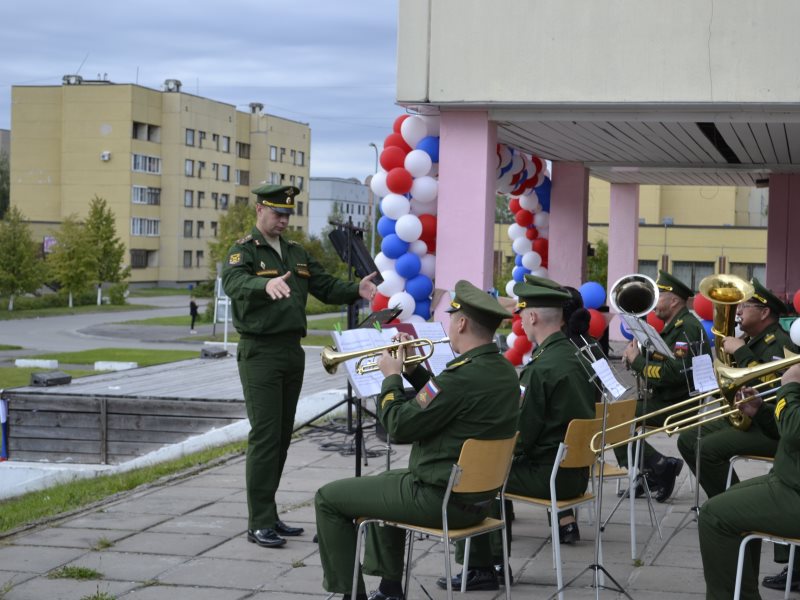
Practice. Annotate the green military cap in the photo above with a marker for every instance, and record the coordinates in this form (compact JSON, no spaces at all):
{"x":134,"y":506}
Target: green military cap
{"x":542,"y":282}
{"x":478,"y":305}
{"x":670,"y":283}
{"x":537,"y":296}
{"x":762,"y":295}
{"x":279,"y":198}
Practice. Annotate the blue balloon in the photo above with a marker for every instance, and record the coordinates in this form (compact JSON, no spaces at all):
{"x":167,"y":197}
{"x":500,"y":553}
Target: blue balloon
{"x":624,"y":331}
{"x":393,"y":247}
{"x":430,"y":144}
{"x":423,"y":309}
{"x":707,"y":325}
{"x":386,"y":226}
{"x":593,"y":294}
{"x":420,"y":287}
{"x":408,"y":265}
{"x":543,"y":193}
{"x":518,"y":260}
{"x":519,"y":273}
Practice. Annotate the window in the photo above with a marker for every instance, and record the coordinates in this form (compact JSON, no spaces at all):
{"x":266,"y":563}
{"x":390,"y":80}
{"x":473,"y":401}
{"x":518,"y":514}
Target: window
{"x":749,"y":270}
{"x":293,"y":157}
{"x":299,"y":183}
{"x":187,"y":259}
{"x":223,"y":201}
{"x":215,"y":170}
{"x":226,"y":143}
{"x":649,"y":268}
{"x":187,"y":229}
{"x":215,"y":139}
{"x":301,"y":158}
{"x":201,"y":164}
{"x":215,"y":198}
{"x":242,"y":177}
{"x":291,"y":179}
{"x":202,"y":139}
{"x":691,"y":273}
{"x":200,"y":226}
{"x":273,"y":153}
{"x":201,"y":196}
{"x":214,"y":228}
{"x":283,"y":178}
{"x":138,"y":259}
{"x":241,"y":200}
{"x":146,"y":164}
{"x":242,"y":150}
{"x":146,"y":195}
{"x":275,"y":178}
{"x":283,"y":154}
{"x":225,"y":173}
{"x":188,"y":167}
{"x":188,"y":198}
{"x":299,"y":208}
{"x":199,"y":258}
{"x":145,"y":227}
{"x":190,"y":137}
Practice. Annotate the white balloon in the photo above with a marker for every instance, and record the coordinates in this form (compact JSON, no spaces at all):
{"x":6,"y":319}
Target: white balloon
{"x":540,"y":272}
{"x":510,"y":289}
{"x":422,"y":208}
{"x":428,"y":267}
{"x":516,"y":164}
{"x":414,"y":319}
{"x":424,"y":189}
{"x":505,"y":180}
{"x":378,"y":184}
{"x":432,"y":124}
{"x":418,"y":247}
{"x":531,"y":260}
{"x":418,"y":163}
{"x":521,"y":245}
{"x":515,"y":230}
{"x":505,"y":155}
{"x":529,"y":202}
{"x":392,"y":283}
{"x":794,"y":332}
{"x":544,"y":232}
{"x":395,"y":206}
{"x":413,"y":130}
{"x":384,"y":263}
{"x":408,"y":228}
{"x":511,"y":338}
{"x":403,"y":300}
{"x":526,"y":358}
{"x":541,"y":220}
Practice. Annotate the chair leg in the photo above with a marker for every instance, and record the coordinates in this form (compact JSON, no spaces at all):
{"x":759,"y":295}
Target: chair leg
{"x":633,"y":471}
{"x":447,"y":571}
{"x":730,"y":471}
{"x":409,"y":556}
{"x":556,"y":551}
{"x":506,"y":562}
{"x":789,"y":572}
{"x":465,"y":566}
{"x":737,"y":592}
{"x":360,"y":535}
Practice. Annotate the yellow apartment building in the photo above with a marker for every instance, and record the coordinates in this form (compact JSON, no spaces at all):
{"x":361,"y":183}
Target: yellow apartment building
{"x":168,"y":163}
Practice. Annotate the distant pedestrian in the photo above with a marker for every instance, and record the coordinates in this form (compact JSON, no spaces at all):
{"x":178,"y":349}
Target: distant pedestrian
{"x":193,"y":313}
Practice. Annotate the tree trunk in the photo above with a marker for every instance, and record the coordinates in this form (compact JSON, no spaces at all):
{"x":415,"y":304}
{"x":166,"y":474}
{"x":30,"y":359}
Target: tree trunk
{"x":10,"y":302}
{"x":99,"y":294}
{"x":70,"y":299}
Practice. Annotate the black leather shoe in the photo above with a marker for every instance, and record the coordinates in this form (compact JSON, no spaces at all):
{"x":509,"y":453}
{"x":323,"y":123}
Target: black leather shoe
{"x":266,"y":538}
{"x":569,"y":533}
{"x":477,"y":579}
{"x":498,"y":572}
{"x":379,"y":595}
{"x":666,"y":479}
{"x":283,"y":529}
{"x":778,"y":582}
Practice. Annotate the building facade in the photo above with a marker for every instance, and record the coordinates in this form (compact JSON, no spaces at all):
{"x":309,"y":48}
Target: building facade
{"x":169,"y":164}
{"x":333,"y":198}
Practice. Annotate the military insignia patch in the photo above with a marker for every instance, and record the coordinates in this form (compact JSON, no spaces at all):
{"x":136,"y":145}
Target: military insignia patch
{"x":769,"y":338}
{"x":678,"y":323}
{"x":386,"y":399}
{"x":779,"y":408}
{"x":263,"y":266}
{"x":427,"y":394}
{"x":235,"y":258}
{"x":680,"y":349}
{"x":245,"y":239}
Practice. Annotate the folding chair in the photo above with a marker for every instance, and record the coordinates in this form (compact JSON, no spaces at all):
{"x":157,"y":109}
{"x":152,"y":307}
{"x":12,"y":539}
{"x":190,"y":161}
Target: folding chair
{"x":747,"y":457}
{"x":775,"y":539}
{"x":483,"y":466}
{"x":573,"y":453}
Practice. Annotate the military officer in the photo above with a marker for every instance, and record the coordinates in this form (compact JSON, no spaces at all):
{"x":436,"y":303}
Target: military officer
{"x":767,"y":504}
{"x":764,"y":342}
{"x":667,"y":380}
{"x":556,"y":390}
{"x":476,"y":396}
{"x":268,"y":280}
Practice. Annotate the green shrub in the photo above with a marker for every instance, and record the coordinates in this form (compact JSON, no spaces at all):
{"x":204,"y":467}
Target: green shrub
{"x":117,"y":293}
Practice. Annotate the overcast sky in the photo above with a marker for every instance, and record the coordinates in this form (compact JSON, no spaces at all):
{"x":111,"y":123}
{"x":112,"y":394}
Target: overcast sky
{"x":327,"y":63}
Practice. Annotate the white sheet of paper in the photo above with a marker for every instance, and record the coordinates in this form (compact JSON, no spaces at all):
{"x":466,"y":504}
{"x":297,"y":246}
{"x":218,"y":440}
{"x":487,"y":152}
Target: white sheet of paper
{"x":442,"y":353}
{"x":368,"y":384}
{"x":703,"y":373}
{"x":646,"y":335}
{"x":606,"y":375}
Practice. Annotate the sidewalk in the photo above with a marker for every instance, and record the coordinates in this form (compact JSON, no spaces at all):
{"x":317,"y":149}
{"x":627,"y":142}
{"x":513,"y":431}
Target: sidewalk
{"x":184,"y":538}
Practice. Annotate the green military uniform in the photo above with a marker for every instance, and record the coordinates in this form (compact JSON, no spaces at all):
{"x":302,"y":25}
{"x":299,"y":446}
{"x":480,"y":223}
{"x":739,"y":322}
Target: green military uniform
{"x":475,"y":396}
{"x":270,"y":359}
{"x":767,"y":504}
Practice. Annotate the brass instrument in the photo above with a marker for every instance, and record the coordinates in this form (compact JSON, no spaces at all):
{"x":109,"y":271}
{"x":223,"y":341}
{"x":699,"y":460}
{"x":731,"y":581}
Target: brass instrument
{"x":634,"y":295}
{"x":368,"y":358}
{"x":726,"y":292}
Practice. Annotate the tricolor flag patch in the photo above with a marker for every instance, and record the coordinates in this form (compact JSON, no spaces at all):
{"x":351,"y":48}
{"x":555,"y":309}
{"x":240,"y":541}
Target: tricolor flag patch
{"x":426,"y":395}
{"x":680,"y":349}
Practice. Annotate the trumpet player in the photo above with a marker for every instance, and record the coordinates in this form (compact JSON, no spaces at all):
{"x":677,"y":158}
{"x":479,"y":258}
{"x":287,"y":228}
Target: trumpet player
{"x":764,"y":341}
{"x":666,"y":380}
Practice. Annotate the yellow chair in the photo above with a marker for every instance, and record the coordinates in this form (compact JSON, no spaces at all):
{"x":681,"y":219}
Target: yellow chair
{"x":483,"y":466}
{"x":767,"y":537}
{"x":746,"y":457}
{"x":573,"y":453}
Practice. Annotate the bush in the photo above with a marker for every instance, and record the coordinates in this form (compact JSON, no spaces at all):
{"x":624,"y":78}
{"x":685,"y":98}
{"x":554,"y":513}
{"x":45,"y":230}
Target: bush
{"x":204,"y":289}
{"x":117,"y":293}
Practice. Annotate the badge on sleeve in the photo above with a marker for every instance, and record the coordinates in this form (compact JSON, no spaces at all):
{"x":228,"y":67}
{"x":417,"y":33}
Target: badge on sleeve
{"x":235,"y":258}
{"x":427,"y":394}
{"x":680,"y":349}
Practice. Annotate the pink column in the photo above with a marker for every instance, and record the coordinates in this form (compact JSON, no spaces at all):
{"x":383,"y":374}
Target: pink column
{"x":569,"y":212}
{"x":783,"y":243}
{"x":464,"y":238}
{"x":623,"y":239}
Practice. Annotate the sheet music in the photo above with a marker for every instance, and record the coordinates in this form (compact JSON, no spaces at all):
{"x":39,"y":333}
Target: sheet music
{"x":646,"y":335}
{"x":368,"y":384}
{"x":607,"y":377}
{"x":703,"y":373}
{"x":442,"y":353}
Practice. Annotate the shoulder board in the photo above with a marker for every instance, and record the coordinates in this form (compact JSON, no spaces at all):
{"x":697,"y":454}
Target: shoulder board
{"x":678,"y":323}
{"x":769,"y":338}
{"x":245,"y":239}
{"x":292,"y":243}
{"x":455,"y":365}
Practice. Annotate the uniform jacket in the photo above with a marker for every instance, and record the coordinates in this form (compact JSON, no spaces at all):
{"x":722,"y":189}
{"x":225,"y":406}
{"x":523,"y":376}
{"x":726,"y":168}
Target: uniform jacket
{"x":787,"y":417}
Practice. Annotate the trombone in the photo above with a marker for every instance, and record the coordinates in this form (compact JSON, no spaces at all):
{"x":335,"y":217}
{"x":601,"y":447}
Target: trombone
{"x":368,"y":358}
{"x":730,"y":380}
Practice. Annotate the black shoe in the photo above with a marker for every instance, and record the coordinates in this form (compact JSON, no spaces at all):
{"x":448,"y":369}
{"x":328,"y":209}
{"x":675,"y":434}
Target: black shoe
{"x":666,"y":479}
{"x":379,"y":595}
{"x":569,"y":533}
{"x":477,"y":579}
{"x":778,"y":582}
{"x":266,"y":538}
{"x":498,"y":572}
{"x":283,"y":529}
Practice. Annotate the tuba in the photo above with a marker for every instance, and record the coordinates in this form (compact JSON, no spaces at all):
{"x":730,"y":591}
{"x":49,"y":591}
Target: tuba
{"x":634,"y":295}
{"x":726,"y":292}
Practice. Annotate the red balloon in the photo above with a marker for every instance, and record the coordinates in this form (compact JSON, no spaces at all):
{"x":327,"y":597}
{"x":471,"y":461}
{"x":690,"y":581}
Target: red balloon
{"x":522,"y":344}
{"x":514,"y":357}
{"x":393,"y":157}
{"x":380,"y":302}
{"x":537,"y":162}
{"x":516,"y":326}
{"x":524,"y":218}
{"x":796,"y":301}
{"x":396,"y":140}
{"x":542,"y":246}
{"x":703,"y":307}
{"x":597,"y":323}
{"x":398,"y":122}
{"x":513,"y":205}
{"x":655,"y":322}
{"x":399,"y":181}
{"x":428,"y":234}
{"x":532,"y":233}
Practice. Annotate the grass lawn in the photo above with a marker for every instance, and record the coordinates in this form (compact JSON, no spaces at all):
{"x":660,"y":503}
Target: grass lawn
{"x":59,"y":311}
{"x":159,"y":291}
{"x":6,"y":347}
{"x":142,"y":357}
{"x":177,"y":321}
{"x":20,"y":376}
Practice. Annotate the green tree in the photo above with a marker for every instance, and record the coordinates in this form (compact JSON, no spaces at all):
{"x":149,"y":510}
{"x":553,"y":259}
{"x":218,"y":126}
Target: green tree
{"x":501,"y":213}
{"x":239,"y":220}
{"x":597,"y":265}
{"x":21,"y":269}
{"x":109,"y":249}
{"x":73,"y":262}
{"x":5,"y":183}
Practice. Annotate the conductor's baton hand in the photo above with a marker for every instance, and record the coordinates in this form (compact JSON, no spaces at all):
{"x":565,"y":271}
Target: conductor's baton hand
{"x":277,"y":287}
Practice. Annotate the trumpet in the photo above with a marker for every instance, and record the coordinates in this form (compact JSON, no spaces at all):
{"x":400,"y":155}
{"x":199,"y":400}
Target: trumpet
{"x":368,"y":358}
{"x":730,"y":380}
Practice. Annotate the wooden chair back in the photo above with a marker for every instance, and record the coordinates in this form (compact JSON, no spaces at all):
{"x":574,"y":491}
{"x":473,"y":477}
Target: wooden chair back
{"x":618,"y":412}
{"x":579,"y":435}
{"x":484,"y":464}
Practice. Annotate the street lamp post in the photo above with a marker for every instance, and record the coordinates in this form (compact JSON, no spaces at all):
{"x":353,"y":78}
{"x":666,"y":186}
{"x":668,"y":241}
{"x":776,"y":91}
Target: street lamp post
{"x":372,"y":203}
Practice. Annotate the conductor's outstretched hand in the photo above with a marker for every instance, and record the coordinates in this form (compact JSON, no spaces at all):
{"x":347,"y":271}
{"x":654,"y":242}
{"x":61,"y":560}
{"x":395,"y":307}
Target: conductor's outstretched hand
{"x":277,"y":287}
{"x":367,"y":289}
